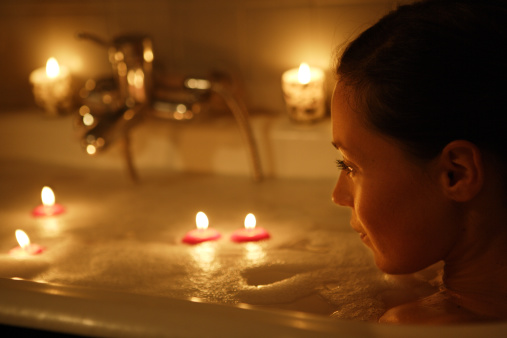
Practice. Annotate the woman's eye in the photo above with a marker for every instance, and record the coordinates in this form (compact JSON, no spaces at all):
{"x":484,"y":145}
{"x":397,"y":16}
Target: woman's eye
{"x":344,"y":167}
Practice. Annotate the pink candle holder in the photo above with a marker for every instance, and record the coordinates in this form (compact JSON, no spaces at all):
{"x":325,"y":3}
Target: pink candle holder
{"x":202,"y":233}
{"x":48,"y":207}
{"x":250,"y":233}
{"x":25,"y":248}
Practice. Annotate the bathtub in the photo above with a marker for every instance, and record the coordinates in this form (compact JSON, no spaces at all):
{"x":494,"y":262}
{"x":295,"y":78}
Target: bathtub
{"x":114,"y":263}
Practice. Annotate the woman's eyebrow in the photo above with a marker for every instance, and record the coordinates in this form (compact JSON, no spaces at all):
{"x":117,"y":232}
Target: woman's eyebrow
{"x":338,"y":146}
{"x":341,"y":149}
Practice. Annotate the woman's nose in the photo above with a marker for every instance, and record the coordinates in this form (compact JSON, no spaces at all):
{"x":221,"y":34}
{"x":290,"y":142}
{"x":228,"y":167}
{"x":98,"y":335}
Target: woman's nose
{"x":342,"y":194}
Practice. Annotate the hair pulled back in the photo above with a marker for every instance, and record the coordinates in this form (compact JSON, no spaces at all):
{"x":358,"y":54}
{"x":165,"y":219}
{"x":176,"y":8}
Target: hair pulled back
{"x":432,"y":72}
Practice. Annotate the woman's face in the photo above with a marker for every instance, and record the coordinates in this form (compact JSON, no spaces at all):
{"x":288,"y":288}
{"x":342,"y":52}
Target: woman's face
{"x":397,"y":205}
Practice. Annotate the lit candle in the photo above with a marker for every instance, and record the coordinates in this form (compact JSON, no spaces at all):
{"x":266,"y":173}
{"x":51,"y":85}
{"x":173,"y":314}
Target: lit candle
{"x":48,"y":207}
{"x":25,"y":248}
{"x":52,"y":87}
{"x":202,"y":233}
{"x":304,"y":94}
{"x":250,"y":233}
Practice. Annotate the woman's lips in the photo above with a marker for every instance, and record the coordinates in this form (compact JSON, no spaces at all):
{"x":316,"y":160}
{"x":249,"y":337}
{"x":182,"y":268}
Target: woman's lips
{"x":361,"y":233}
{"x":364,"y":237}
{"x":356,"y":229}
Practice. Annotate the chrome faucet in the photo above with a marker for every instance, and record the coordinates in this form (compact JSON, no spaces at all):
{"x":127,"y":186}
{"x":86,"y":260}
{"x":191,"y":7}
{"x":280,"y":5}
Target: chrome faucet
{"x":112,"y":107}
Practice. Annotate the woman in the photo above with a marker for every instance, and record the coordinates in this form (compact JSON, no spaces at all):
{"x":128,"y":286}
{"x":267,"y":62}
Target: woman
{"x":419,"y":115}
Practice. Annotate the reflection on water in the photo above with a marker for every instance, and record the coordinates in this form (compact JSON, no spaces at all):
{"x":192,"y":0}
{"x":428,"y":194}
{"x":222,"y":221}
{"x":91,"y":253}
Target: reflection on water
{"x":51,"y":226}
{"x":204,"y":256}
{"x":254,"y":253}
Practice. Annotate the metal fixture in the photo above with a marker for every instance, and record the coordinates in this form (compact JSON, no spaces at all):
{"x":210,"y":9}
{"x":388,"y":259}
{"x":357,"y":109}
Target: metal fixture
{"x":112,"y":107}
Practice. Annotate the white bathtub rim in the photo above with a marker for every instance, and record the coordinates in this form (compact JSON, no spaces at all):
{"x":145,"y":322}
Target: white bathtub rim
{"x":93,"y":312}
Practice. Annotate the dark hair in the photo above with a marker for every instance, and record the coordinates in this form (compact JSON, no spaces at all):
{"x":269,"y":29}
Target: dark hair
{"x":432,"y":72}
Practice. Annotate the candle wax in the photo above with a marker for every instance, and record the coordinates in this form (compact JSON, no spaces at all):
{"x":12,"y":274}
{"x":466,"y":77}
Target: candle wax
{"x":29,"y":250}
{"x":305,"y":102}
{"x":48,"y":210}
{"x":201,"y":235}
{"x":249,"y":235}
{"x":52,"y":94}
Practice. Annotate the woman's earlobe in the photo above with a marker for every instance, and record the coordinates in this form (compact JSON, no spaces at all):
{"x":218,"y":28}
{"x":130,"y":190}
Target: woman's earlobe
{"x":462,"y":175}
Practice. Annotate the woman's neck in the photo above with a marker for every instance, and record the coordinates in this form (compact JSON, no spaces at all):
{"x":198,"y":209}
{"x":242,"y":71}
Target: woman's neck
{"x":475,"y":272}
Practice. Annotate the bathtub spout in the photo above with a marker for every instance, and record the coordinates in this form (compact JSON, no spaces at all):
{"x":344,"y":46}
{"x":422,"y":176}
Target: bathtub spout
{"x":240,"y":113}
{"x":111,"y":107}
{"x":113,"y":128}
{"x":108,"y":125}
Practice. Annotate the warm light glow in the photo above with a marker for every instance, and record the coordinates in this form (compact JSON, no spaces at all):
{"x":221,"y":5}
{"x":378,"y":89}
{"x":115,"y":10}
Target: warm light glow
{"x":83,"y":110}
{"x":90,"y":84}
{"x":52,"y":68}
{"x":22,"y":238}
{"x":250,"y":221}
{"x":304,"y":73}
{"x":139,"y":79}
{"x":122,"y":68}
{"x":48,"y":197}
{"x":107,"y":99}
{"x":118,"y":56}
{"x":254,"y":253}
{"x":197,"y":83}
{"x":181,"y":108}
{"x":91,"y":149}
{"x":88,"y":119}
{"x":131,"y":77}
{"x":201,"y":220}
{"x":129,"y":114}
{"x":148,"y":55}
{"x":136,"y":78}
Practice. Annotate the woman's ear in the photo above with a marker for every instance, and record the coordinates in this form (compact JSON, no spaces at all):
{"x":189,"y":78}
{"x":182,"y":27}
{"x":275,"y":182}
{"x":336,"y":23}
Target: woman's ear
{"x":462,"y":170}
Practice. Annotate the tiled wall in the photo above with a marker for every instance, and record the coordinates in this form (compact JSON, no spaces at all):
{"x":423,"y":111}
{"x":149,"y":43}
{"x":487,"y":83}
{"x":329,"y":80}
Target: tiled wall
{"x":255,"y":40}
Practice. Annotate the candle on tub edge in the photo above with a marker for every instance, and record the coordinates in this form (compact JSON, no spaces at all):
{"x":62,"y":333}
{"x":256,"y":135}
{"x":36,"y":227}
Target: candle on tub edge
{"x":303,"y":91}
{"x":250,"y":233}
{"x":25,"y":248}
{"x":48,"y":207}
{"x":52,"y":87}
{"x":202,"y":233}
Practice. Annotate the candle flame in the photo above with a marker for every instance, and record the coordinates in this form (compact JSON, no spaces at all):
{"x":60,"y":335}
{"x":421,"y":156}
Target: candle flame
{"x":304,"y":73}
{"x":250,"y":221}
{"x":48,"y":197}
{"x":201,"y":220}
{"x":52,"y":68}
{"x":22,"y":238}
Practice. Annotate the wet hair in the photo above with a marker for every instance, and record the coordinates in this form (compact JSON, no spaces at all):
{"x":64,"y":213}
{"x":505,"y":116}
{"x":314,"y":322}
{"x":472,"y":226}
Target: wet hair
{"x":432,"y":72}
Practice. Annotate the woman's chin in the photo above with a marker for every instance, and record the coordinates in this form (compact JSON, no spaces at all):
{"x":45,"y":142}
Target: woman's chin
{"x":396,"y":268}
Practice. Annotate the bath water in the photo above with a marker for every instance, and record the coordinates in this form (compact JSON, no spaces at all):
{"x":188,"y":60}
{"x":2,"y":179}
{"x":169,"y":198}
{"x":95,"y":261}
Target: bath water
{"x":127,"y":237}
